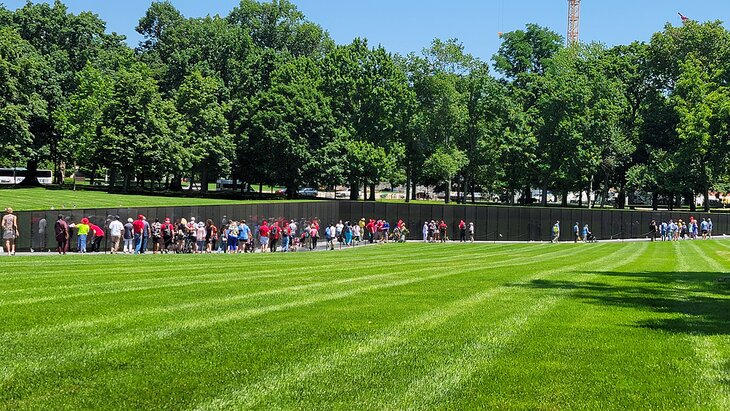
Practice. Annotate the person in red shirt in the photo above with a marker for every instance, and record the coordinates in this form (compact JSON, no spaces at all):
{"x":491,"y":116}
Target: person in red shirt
{"x":442,"y":231}
{"x":370,"y":227}
{"x":462,"y":231}
{"x":264,"y":231}
{"x":138,"y":229}
{"x":98,"y":234}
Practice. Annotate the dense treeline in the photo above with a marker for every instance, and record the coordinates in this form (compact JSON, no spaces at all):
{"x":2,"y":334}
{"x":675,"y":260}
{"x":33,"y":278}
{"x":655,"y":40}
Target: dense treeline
{"x":265,"y":96}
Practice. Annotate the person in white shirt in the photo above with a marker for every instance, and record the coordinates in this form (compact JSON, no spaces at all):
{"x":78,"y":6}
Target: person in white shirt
{"x":116,"y":229}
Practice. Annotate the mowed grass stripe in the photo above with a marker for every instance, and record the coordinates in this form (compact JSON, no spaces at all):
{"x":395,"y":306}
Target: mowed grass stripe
{"x":713,"y":374}
{"x":77,"y":268}
{"x":11,"y":368}
{"x":163,"y":280}
{"x":430,"y":389}
{"x":279,"y":380}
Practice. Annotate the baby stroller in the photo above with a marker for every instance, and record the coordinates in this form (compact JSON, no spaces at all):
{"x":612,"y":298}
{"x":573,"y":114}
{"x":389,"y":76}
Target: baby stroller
{"x":590,"y":238}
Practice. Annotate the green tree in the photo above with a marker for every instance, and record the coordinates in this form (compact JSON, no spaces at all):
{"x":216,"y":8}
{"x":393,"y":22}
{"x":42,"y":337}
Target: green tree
{"x":365,"y":87}
{"x":203,"y":103}
{"x":21,"y":78}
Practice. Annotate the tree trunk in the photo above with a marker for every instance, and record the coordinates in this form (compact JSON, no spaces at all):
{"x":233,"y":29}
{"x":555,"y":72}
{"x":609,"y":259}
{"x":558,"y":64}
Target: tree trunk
{"x":176,"y":183}
{"x":414,"y":187}
{"x":372,"y":191}
{"x":204,"y":180}
{"x":690,"y":197}
{"x":544,"y":193}
{"x":622,"y":198}
{"x":261,"y":188}
{"x":671,"y":202}
{"x":31,"y":175}
{"x":127,"y":177}
{"x":448,"y":192}
{"x":365,"y":191}
{"x":112,"y":180}
{"x":564,"y":200}
{"x":408,"y":185}
{"x":707,"y":199}
{"x":354,"y":191}
{"x":655,"y":200}
{"x":590,"y":192}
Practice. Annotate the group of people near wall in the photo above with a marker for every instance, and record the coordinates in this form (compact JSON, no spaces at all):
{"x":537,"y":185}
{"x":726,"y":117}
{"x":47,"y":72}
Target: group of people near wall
{"x":680,"y":230}
{"x":139,"y":236}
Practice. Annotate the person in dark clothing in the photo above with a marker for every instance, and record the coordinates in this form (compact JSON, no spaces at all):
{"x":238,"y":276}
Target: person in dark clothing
{"x":61,"y":230}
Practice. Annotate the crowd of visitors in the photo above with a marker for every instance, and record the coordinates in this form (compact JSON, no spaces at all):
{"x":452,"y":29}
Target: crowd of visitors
{"x":139,"y":236}
{"x":679,"y":230}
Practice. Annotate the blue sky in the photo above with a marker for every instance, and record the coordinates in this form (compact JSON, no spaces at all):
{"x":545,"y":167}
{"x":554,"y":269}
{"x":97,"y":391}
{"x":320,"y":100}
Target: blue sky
{"x":409,"y":25}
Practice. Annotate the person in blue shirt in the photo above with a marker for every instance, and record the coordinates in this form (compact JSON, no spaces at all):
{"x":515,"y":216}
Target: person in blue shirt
{"x":709,"y":228}
{"x":244,"y":238}
{"x":585,"y":233}
{"x":663,"y":230}
{"x":703,"y":227}
{"x":576,"y":232}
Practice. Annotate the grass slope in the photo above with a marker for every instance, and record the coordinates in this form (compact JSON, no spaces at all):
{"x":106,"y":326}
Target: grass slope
{"x":45,"y":199}
{"x":605,"y":326}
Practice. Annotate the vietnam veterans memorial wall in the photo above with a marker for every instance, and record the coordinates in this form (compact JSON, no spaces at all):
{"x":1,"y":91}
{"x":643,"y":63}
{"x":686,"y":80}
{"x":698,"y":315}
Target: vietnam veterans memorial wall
{"x":492,"y":223}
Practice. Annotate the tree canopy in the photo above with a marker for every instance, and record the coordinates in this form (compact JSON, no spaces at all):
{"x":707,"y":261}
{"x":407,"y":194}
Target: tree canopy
{"x":264,"y":96}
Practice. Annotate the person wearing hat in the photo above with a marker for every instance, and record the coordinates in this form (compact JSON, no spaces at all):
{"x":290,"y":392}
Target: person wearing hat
{"x":10,"y":230}
{"x":61,"y":230}
{"x":116,"y":229}
{"x":138,"y":229}
{"x":129,"y":236}
{"x":82,"y":232}
{"x":168,"y":234}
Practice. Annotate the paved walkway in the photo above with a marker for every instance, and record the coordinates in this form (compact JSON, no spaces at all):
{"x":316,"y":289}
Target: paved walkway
{"x":322,"y":246}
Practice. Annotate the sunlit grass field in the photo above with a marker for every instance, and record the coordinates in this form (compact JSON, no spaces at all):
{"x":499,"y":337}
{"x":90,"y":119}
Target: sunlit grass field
{"x":414,"y":326}
{"x":28,"y":199}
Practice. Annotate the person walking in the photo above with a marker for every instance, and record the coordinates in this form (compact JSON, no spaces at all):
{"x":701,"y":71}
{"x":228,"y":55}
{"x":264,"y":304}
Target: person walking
{"x":10,"y":230}
{"x":652,"y":230}
{"x":61,"y":230}
{"x":556,"y":232}
{"x":116,"y":229}
{"x":709,"y":228}
{"x":462,"y":231}
{"x":576,"y":232}
{"x":471,"y":232}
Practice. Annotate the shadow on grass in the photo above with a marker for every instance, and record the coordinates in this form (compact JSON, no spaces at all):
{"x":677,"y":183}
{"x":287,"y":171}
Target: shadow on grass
{"x":700,"y":305}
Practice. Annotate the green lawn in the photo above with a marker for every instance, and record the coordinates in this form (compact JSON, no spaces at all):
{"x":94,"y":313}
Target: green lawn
{"x":47,"y":199}
{"x":603,"y":326}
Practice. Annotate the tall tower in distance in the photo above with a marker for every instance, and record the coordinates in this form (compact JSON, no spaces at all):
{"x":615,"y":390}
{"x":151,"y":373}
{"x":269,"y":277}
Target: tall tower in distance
{"x":573,"y":21}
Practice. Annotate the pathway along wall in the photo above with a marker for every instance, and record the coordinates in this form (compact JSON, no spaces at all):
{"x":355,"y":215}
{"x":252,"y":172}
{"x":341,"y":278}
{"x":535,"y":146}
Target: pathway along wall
{"x":492,"y":223}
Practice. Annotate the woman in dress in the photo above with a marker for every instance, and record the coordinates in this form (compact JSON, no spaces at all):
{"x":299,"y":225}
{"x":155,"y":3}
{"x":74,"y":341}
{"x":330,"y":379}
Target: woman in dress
{"x":10,"y":230}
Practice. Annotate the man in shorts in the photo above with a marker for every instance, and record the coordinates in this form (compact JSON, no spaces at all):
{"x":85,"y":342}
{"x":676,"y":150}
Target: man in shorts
{"x":264,"y":232}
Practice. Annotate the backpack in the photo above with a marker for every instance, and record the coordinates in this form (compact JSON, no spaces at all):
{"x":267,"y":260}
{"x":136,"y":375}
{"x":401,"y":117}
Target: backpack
{"x":168,"y":230}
